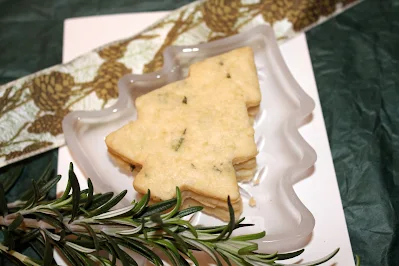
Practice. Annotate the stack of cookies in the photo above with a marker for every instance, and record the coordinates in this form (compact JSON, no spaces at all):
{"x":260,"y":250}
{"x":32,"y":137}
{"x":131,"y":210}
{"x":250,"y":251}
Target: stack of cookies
{"x":196,"y":134}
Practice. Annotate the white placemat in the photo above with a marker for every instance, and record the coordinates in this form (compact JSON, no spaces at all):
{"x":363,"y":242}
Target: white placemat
{"x":319,"y":192}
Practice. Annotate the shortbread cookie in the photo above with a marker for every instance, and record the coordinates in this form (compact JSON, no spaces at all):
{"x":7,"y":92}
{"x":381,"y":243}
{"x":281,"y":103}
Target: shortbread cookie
{"x":245,"y":175}
{"x":251,"y":163}
{"x":191,"y":132}
{"x":217,"y":212}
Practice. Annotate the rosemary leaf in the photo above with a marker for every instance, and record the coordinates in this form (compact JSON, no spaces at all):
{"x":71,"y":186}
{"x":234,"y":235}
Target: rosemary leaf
{"x":238,"y":261}
{"x":249,"y":236}
{"x":30,"y":235}
{"x":188,"y":211}
{"x":118,"y":252}
{"x":8,"y":239}
{"x":319,"y":261}
{"x":93,"y":235}
{"x":179,"y":241}
{"x":142,"y":204}
{"x":48,"y":252}
{"x":114,"y":213}
{"x":108,"y":205}
{"x":81,"y":224}
{"x":287,"y":256}
{"x":159,"y":207}
{"x":357,"y":260}
{"x":177,"y":205}
{"x":156,"y":218}
{"x":44,"y":189}
{"x":50,"y":220}
{"x":11,"y":258}
{"x":204,"y":247}
{"x":193,"y":258}
{"x":66,"y":192}
{"x":79,"y":247}
{"x":248,"y":249}
{"x":75,"y":193}
{"x":169,"y":254}
{"x":185,"y":224}
{"x":89,"y":194}
{"x":224,"y":257}
{"x":17,"y":222}
{"x":112,"y":252}
{"x":99,"y":200}
{"x":85,"y":261}
{"x":141,"y":249}
{"x":52,"y":212}
{"x":72,"y":259}
{"x":11,"y":176}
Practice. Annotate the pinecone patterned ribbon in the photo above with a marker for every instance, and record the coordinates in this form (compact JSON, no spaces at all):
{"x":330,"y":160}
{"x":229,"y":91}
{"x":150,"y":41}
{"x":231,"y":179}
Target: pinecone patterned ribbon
{"x":32,"y":108}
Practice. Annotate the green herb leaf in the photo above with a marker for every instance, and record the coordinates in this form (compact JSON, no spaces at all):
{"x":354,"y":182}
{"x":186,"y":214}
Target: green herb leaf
{"x":188,"y":211}
{"x":93,"y":235}
{"x":156,"y":218}
{"x":114,"y":213}
{"x":141,"y":249}
{"x":72,"y":254}
{"x":193,"y":258}
{"x":122,"y":256}
{"x":357,"y":259}
{"x":177,"y":238}
{"x":137,"y":227}
{"x":29,"y":236}
{"x":185,"y":224}
{"x":66,"y":192}
{"x":286,"y":256}
{"x":177,"y":206}
{"x":113,"y":253}
{"x":52,"y":212}
{"x":142,"y":204}
{"x":89,"y":194}
{"x":85,"y":261}
{"x":75,"y":193}
{"x":48,"y":252}
{"x":17,"y":222}
{"x":43,"y":190}
{"x":50,"y":220}
{"x":159,"y":207}
{"x":11,"y":176}
{"x":11,"y":258}
{"x":235,"y":259}
{"x":8,"y":239}
{"x":108,"y":205}
{"x":99,"y":200}
{"x":224,"y":257}
{"x":319,"y":261}
{"x":249,"y":236}
{"x":248,"y":249}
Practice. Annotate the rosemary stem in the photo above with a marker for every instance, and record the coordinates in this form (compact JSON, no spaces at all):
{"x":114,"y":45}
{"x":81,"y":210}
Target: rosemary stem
{"x":33,"y":223}
{"x":18,"y":255}
{"x":27,"y":223}
{"x":16,"y":204}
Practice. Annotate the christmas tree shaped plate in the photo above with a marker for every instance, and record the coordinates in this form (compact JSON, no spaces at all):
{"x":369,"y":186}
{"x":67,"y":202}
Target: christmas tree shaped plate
{"x":284,"y":156}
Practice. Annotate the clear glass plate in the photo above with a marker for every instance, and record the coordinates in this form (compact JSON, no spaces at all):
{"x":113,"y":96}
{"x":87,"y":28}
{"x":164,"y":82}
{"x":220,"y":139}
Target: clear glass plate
{"x":284,"y":156}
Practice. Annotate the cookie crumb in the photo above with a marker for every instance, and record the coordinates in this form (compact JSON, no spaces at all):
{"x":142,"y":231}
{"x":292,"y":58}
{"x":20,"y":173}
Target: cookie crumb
{"x":252,"y":202}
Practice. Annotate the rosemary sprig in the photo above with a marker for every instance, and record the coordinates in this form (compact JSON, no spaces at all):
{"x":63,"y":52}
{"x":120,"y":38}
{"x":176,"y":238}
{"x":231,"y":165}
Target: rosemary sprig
{"x":80,"y":224}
